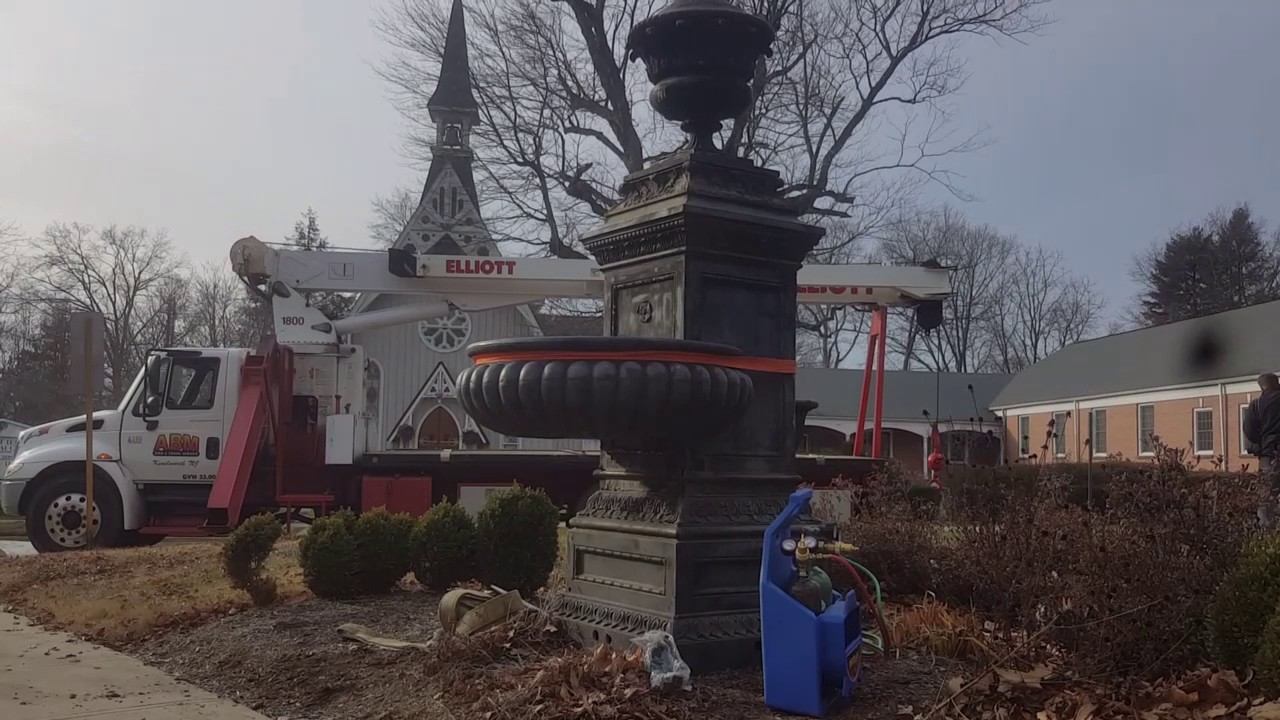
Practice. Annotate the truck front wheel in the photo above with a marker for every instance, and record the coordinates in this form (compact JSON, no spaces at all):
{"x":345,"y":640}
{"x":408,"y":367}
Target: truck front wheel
{"x":58,"y":517}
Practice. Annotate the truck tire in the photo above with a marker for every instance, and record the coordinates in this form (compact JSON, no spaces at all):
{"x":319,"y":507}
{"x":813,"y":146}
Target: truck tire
{"x":56,"y":515}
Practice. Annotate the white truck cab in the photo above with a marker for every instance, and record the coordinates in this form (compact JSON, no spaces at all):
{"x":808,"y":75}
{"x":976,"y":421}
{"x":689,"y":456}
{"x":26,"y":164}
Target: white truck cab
{"x":169,"y":429}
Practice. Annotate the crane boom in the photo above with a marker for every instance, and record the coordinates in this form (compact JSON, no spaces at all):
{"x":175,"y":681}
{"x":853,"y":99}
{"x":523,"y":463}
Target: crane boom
{"x":482,"y":283}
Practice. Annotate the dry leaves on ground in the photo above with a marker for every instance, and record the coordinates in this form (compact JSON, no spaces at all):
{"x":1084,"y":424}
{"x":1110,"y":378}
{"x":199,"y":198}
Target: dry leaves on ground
{"x":1046,"y":693}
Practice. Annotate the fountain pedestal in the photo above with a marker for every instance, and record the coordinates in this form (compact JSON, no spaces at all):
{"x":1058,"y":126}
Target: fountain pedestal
{"x":701,"y":248}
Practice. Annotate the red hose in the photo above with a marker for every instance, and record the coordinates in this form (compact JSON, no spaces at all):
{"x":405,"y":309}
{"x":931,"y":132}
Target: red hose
{"x":867,"y":600}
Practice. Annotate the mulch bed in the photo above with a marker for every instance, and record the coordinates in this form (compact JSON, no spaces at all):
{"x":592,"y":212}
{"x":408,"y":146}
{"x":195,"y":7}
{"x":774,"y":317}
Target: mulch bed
{"x":289,"y":661}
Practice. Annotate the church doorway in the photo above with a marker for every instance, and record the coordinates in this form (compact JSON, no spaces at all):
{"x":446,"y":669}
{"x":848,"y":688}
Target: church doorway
{"x":438,"y":431}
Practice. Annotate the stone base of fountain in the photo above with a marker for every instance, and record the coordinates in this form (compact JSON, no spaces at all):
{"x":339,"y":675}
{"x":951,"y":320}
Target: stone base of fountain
{"x":681,"y":556}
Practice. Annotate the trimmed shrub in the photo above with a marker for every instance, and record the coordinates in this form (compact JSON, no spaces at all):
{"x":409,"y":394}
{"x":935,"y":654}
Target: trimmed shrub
{"x":245,"y":555}
{"x":444,"y":546}
{"x":1267,"y":661}
{"x":329,"y":556}
{"x":518,"y":539}
{"x":383,"y":550}
{"x":1244,"y":603}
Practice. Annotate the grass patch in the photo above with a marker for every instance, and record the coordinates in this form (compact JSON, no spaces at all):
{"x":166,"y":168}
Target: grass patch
{"x":122,"y":595}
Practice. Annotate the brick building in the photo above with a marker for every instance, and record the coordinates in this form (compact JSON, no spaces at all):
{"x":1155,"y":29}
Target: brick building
{"x":970,"y":432}
{"x":1186,"y":383}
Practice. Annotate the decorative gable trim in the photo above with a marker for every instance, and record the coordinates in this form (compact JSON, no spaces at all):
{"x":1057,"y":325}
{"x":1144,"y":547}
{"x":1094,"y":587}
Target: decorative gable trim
{"x":440,"y":384}
{"x":469,"y":425}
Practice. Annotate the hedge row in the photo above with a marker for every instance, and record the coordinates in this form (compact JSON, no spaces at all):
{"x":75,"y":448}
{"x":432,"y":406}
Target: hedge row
{"x":1126,"y":586}
{"x":1087,"y":484}
{"x":513,"y":543}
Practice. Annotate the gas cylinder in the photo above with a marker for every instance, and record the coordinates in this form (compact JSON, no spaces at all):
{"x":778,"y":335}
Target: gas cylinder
{"x":813,"y":589}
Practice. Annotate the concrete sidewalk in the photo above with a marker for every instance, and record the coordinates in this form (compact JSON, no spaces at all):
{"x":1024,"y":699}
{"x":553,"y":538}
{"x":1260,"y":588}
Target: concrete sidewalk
{"x":47,"y":675}
{"x":14,"y":547}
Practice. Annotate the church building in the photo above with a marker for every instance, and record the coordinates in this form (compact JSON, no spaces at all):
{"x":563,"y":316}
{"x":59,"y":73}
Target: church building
{"x":412,"y":369}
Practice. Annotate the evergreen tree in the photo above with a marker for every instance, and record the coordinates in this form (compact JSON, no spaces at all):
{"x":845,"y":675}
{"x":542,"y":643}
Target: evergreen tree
{"x":1222,"y":264}
{"x":37,"y":387}
{"x":1245,"y":266}
{"x":306,"y":233}
{"x":307,"y":236}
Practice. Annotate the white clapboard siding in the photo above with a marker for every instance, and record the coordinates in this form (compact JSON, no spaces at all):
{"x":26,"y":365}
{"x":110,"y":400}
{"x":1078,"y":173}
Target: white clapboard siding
{"x":406,"y":362}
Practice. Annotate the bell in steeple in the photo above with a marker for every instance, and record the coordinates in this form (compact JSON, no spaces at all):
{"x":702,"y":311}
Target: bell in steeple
{"x":453,"y":105}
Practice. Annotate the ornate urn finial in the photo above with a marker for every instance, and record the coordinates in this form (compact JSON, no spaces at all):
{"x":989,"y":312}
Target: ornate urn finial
{"x":700,"y":56}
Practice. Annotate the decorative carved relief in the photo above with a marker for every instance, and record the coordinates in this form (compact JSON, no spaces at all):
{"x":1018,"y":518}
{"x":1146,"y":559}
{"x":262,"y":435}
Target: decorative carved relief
{"x":652,"y":187}
{"x":644,"y":311}
{"x":740,"y":182}
{"x":717,"y":627}
{"x":637,"y":508}
{"x":625,"y":621}
{"x":691,"y":510}
{"x":608,"y":617}
{"x":669,"y":236}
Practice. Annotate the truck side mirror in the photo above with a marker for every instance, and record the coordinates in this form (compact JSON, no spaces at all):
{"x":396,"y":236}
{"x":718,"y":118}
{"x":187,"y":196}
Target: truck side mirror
{"x":154,"y":375}
{"x":153,"y":391}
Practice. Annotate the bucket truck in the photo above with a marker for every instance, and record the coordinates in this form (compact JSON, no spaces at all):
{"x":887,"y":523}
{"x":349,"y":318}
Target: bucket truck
{"x":205,"y":437}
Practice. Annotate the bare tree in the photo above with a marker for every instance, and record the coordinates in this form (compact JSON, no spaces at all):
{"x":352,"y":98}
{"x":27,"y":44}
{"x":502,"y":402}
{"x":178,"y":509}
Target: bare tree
{"x":1041,"y":308}
{"x":125,"y":273}
{"x":827,"y":334}
{"x":14,"y":322}
{"x":851,"y":107}
{"x":978,"y":256}
{"x":391,"y":213}
{"x":221,"y":313}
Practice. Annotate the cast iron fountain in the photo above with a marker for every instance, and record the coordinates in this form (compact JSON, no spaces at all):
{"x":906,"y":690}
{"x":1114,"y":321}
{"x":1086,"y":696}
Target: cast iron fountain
{"x":691,"y":391}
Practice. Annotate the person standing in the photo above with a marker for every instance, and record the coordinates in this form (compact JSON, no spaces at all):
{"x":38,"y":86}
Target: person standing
{"x":1262,"y":430}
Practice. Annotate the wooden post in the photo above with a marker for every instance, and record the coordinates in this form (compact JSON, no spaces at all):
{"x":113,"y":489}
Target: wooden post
{"x":87,"y":355}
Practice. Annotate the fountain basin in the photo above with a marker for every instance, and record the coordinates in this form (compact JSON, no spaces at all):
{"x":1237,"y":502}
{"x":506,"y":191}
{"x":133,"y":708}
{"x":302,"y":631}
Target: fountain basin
{"x":644,"y":392}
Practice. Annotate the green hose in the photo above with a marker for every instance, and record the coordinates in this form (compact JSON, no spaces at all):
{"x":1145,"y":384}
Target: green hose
{"x":873,"y":643}
{"x":872,"y":638}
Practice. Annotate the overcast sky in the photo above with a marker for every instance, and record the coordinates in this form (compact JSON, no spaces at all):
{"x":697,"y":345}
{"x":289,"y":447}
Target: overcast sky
{"x":216,"y":120}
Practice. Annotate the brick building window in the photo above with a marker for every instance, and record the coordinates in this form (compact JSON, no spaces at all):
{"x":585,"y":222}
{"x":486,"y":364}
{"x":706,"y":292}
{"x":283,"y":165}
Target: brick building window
{"x":1098,"y":431}
{"x":1146,"y":429}
{"x":1024,"y":435}
{"x":1244,"y":442}
{"x":1060,"y":434}
{"x":886,"y":443}
{"x":1203,"y":439}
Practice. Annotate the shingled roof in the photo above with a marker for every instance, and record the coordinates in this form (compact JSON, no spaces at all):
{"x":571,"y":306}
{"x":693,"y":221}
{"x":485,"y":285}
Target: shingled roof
{"x":908,"y":394}
{"x":453,"y":90}
{"x":1236,"y":344}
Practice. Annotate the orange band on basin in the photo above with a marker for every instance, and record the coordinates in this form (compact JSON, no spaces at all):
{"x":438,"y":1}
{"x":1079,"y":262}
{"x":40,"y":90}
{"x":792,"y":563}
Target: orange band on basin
{"x":754,"y":364}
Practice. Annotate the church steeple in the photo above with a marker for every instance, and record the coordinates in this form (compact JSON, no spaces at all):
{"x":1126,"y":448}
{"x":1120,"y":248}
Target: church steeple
{"x":453,"y":106}
{"x":447,"y":220}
